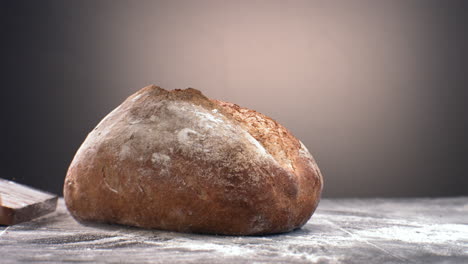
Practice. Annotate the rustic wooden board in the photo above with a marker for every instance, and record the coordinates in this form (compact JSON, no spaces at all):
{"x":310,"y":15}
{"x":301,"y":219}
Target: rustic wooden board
{"x":19,"y":203}
{"x":341,"y":231}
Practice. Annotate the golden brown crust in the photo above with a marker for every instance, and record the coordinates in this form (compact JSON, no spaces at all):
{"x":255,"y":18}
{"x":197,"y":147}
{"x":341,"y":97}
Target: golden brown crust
{"x":175,"y":160}
{"x":276,"y":139}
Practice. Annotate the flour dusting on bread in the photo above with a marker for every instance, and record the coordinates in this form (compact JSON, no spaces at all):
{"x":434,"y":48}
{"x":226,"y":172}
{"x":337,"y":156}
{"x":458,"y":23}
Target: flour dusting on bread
{"x":174,"y":152}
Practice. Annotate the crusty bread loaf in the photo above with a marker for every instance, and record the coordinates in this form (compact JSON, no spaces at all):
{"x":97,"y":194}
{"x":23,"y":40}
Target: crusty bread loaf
{"x":176,"y":160}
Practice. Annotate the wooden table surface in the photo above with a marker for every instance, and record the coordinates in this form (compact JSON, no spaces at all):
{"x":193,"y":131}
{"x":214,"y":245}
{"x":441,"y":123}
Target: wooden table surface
{"x":341,"y":231}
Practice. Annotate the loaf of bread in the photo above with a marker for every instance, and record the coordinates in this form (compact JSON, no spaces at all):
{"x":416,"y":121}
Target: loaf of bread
{"x":176,"y":160}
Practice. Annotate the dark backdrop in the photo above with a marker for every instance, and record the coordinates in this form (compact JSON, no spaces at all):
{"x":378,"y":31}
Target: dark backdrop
{"x":375,"y":89}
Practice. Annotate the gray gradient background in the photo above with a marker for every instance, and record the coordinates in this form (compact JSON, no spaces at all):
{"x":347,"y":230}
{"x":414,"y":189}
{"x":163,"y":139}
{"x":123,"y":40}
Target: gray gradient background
{"x":375,"y":89}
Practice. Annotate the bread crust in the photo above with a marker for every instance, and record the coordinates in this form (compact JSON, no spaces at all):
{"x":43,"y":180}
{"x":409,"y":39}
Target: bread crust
{"x":176,"y":160}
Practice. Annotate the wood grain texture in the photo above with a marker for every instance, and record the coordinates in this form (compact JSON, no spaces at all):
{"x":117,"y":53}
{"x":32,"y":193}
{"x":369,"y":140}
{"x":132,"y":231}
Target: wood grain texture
{"x":19,"y":203}
{"x":341,"y":231}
